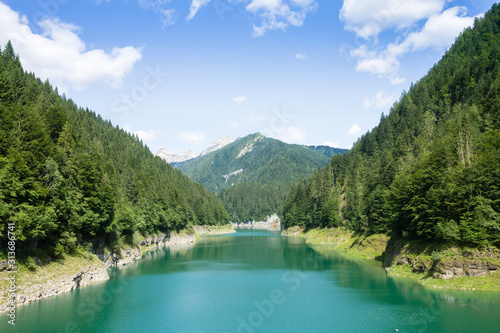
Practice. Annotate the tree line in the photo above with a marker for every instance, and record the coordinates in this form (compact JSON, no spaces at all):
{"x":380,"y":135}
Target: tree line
{"x":70,"y":178}
{"x":431,"y":169}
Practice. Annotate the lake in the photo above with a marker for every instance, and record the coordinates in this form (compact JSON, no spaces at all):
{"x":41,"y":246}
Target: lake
{"x":257,"y":281}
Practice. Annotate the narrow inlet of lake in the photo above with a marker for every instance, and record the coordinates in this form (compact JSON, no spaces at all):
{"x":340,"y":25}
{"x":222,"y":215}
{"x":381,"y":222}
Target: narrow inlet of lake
{"x":256,"y":281}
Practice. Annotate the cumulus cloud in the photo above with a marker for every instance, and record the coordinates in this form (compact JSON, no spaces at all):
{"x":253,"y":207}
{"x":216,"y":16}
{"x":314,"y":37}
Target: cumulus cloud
{"x":195,"y":138}
{"x":438,"y":32}
{"x":240,"y":99}
{"x":168,"y":17}
{"x":380,"y":100}
{"x":60,"y":55}
{"x":354,"y":131}
{"x":148,"y":136}
{"x":367,"y":18}
{"x":279,"y":14}
{"x":195,"y":6}
{"x":290,"y":134}
{"x":301,"y":56}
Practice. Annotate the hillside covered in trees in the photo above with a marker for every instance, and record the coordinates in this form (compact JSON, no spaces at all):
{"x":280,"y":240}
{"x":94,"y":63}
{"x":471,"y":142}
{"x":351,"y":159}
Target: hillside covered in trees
{"x":252,"y":175}
{"x":431,"y":169}
{"x":68,"y":177}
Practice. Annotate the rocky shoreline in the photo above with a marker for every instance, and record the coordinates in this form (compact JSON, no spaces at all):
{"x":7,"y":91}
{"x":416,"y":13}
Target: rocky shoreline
{"x":76,"y":272}
{"x":441,"y":266}
{"x":273,"y":222}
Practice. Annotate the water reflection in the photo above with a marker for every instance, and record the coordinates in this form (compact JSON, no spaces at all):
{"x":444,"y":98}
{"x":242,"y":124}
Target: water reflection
{"x":205,"y":288}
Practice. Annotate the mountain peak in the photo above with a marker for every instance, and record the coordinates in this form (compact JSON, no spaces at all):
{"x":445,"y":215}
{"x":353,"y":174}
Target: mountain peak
{"x":171,"y":157}
{"x":221,"y":141}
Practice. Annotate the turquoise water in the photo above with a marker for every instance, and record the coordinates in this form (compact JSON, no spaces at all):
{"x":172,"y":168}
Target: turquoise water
{"x":257,"y":282}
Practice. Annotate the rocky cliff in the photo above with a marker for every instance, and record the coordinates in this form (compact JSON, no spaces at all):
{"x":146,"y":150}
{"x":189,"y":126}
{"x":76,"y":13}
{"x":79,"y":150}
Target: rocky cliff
{"x":52,"y":279}
{"x":273,"y":222}
{"x":444,"y":263}
{"x":130,"y":254}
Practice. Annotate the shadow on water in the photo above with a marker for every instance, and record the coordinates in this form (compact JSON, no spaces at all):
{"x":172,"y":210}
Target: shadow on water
{"x":221,"y":277}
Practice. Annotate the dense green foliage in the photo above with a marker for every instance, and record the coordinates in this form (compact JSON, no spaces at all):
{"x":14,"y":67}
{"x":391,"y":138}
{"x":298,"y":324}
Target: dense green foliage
{"x":266,"y":166}
{"x":68,"y":177}
{"x":254,"y":201}
{"x":327,"y":150}
{"x":431,"y":168}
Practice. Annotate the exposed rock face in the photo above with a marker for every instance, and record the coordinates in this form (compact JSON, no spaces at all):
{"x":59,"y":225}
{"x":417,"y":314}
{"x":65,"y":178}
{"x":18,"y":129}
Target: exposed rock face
{"x":221,"y":142}
{"x":450,"y":263}
{"x":273,"y":223}
{"x":128,"y":255}
{"x":34,"y":291}
{"x":171,"y":157}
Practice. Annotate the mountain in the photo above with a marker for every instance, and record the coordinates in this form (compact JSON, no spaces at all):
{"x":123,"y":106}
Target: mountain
{"x":177,"y":159}
{"x":171,"y":157}
{"x":430,"y":170}
{"x":253,"y":174}
{"x":327,"y":150}
{"x":71,"y":179}
{"x":221,"y":142}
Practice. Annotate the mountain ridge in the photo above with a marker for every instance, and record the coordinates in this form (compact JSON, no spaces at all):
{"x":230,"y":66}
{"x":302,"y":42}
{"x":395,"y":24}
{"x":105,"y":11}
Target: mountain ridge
{"x":252,"y":174}
{"x":176,"y":158}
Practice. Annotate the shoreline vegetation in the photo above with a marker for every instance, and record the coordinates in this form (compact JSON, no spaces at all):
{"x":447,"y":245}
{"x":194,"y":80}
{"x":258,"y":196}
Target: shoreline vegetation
{"x":40,"y":278}
{"x":433,"y":266}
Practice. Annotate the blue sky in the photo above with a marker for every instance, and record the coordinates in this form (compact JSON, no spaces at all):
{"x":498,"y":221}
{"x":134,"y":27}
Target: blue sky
{"x":180,"y":73}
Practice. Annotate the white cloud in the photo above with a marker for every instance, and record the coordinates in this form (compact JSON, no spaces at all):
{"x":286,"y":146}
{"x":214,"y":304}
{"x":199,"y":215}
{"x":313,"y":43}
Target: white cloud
{"x":301,"y":56}
{"x":438,"y":32}
{"x":368,"y":18}
{"x":279,"y":14}
{"x":195,"y":138}
{"x":380,"y":100}
{"x":333,"y":144}
{"x":61,"y":56}
{"x":240,"y":99}
{"x":154,"y":4}
{"x":149,"y":136}
{"x":354,"y":131}
{"x":195,"y":6}
{"x":291,"y":134}
{"x":167,"y":17}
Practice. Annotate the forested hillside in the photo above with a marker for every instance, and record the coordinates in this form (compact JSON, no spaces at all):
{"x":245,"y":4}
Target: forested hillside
{"x":431,"y":169}
{"x":68,"y":177}
{"x":327,"y":150}
{"x":253,"y":174}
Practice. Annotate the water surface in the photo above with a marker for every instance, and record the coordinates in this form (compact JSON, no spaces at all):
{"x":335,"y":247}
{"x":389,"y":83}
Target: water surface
{"x":255,"y":281}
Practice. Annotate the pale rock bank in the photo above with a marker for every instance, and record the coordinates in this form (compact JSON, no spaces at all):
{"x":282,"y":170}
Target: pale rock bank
{"x":56,"y":277}
{"x":273,"y":222}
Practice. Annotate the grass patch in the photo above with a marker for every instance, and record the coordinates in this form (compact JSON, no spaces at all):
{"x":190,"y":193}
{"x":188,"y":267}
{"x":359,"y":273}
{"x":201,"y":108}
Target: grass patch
{"x":491,"y":282}
{"x":355,"y":245}
{"x":35,"y":271}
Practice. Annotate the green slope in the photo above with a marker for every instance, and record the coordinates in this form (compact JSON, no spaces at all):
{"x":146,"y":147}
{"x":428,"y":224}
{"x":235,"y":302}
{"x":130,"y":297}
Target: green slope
{"x":430,"y":170}
{"x":327,"y":150}
{"x":253,"y":174}
{"x":262,"y":160}
{"x":69,"y":178}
